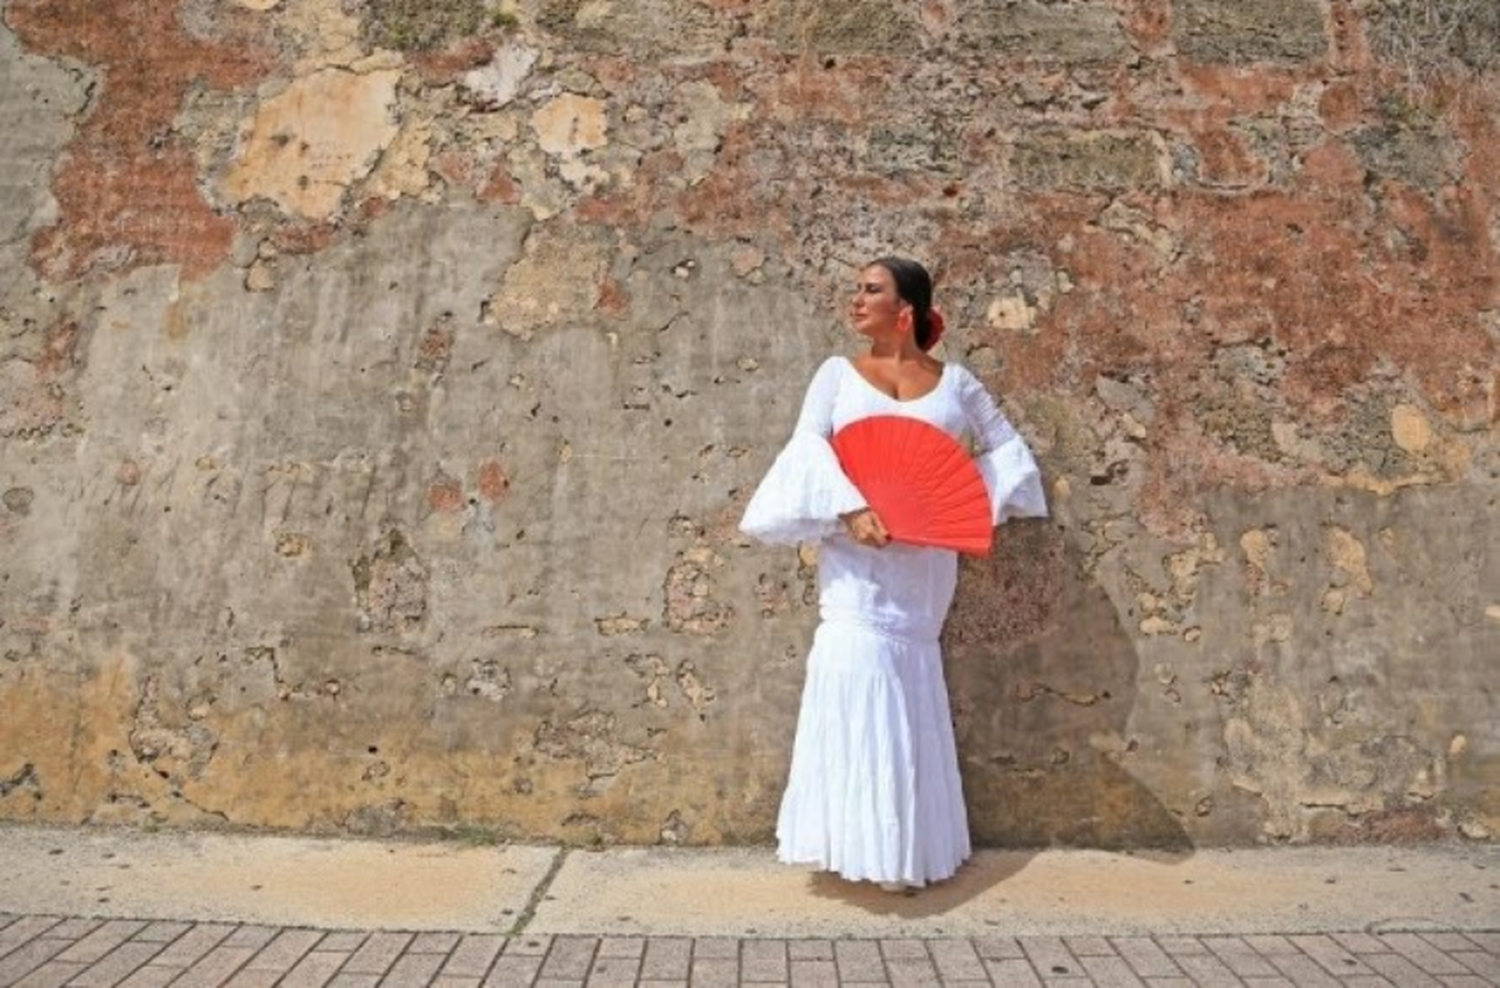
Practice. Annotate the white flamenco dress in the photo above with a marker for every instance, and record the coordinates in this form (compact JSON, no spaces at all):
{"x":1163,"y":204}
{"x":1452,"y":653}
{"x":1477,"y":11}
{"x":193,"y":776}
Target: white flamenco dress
{"x":874,"y":791}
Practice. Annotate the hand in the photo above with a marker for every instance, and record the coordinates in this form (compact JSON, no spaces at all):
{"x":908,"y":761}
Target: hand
{"x":865,"y":528}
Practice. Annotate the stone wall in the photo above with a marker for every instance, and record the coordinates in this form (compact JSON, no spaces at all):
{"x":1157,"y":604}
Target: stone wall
{"x":381,"y":382}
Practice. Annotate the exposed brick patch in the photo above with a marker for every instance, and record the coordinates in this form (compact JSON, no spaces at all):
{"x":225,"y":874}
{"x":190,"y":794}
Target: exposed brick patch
{"x":445,"y":495}
{"x":442,"y":68}
{"x":127,"y":188}
{"x":492,"y":481}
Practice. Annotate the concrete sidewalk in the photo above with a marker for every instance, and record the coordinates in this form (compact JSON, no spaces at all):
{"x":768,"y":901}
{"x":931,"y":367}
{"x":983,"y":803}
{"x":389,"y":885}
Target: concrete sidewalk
{"x":105,"y":907}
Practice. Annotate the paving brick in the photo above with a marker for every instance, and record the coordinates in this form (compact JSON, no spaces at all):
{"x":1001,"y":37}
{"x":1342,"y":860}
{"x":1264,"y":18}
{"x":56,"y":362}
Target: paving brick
{"x":1207,"y":971}
{"x":814,"y":974}
{"x":764,"y":960}
{"x":570,"y":958}
{"x":253,"y":978}
{"x":377,"y":954}
{"x":1374,"y":981}
{"x":1013,"y":972}
{"x":165,"y":931}
{"x":667,"y":959}
{"x":412,"y":971}
{"x":622,"y":947}
{"x":251,"y":936}
{"x":1303,"y":970}
{"x":809,"y":950}
{"x":473,"y":956}
{"x":716,"y":948}
{"x":28,"y":957}
{"x":1169,"y":983}
{"x":715,"y":972}
{"x":1284,"y":983}
{"x":284,"y":951}
{"x":1090,"y":946}
{"x":1240,"y":957}
{"x":1266,"y":944}
{"x":433,"y":943}
{"x":316,"y":968}
{"x":6,"y":919}
{"x":343,"y":941}
{"x":529,"y":945}
{"x":1051,"y":957}
{"x":1109,"y":972}
{"x":1181,"y":946}
{"x":912,"y":971}
{"x":957,"y":960}
{"x":342,"y":980}
{"x":74,"y":928}
{"x":998,"y":948}
{"x":898,"y":949}
{"x":187,"y":949}
{"x":118,"y":964}
{"x":513,"y":970}
{"x":1332,"y":957}
{"x":1466,"y":981}
{"x":1146,"y":958}
{"x":1488,"y":941}
{"x":215,"y":967}
{"x":1399,"y":970}
{"x":100,"y":941}
{"x":662,"y":984}
{"x":53,"y":974}
{"x":1423,"y":954}
{"x":151,"y":976}
{"x":858,"y":960}
{"x":25,"y":929}
{"x":559,"y":983}
{"x":444,"y":981}
{"x":1360,"y":943}
{"x":614,"y":971}
{"x":1483,"y":964}
{"x":1447,"y":942}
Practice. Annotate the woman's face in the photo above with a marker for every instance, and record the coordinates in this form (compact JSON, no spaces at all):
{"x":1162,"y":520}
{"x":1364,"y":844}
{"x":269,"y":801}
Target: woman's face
{"x":875,"y":306}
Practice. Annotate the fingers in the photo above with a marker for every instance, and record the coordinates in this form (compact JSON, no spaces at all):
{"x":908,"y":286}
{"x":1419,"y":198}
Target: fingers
{"x":866,"y":528}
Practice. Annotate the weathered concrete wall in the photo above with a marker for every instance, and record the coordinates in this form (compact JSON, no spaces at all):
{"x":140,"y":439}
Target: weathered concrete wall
{"x":381,"y":381}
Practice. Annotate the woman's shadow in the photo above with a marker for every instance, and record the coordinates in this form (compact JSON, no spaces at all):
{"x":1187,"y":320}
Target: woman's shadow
{"x":1043,"y":678}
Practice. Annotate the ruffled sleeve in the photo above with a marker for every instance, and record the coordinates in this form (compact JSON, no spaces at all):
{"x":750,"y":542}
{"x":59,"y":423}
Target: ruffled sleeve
{"x":805,"y":491}
{"x":1004,"y":461}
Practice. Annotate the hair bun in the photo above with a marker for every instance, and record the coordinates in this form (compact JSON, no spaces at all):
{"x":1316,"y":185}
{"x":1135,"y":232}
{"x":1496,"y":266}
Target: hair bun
{"x":936,"y":324}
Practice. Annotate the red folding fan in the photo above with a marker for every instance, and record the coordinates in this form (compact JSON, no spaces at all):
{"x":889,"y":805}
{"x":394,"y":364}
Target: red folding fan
{"x":924,"y":486}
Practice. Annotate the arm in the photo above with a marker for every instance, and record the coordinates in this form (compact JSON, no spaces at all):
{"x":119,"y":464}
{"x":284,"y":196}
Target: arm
{"x":1009,"y":470}
{"x":816,"y":420}
{"x":805,"y":496}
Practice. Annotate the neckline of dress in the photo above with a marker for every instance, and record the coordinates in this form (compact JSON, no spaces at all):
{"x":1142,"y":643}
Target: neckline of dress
{"x":943,"y":376}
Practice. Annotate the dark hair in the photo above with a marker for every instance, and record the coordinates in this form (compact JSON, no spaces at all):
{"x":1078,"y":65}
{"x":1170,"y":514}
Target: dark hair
{"x":914,"y":285}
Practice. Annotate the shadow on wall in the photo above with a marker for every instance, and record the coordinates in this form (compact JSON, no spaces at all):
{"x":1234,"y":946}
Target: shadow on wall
{"x":1043,"y":678}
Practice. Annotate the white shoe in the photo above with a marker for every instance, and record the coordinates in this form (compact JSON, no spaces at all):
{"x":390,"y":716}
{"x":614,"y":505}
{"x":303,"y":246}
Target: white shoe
{"x":900,"y":888}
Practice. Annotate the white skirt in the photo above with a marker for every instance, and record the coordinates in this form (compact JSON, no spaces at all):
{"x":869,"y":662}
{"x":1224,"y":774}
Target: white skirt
{"x":874,"y":792}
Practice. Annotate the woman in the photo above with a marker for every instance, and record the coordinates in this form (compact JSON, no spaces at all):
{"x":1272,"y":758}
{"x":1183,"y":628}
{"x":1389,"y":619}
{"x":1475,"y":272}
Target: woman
{"x":874,"y":792}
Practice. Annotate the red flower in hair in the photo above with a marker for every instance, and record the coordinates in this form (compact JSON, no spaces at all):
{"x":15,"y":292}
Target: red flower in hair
{"x":936,"y":324}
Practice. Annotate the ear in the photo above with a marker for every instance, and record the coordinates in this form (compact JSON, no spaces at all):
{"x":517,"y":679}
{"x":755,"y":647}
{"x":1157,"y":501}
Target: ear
{"x":904,"y":322}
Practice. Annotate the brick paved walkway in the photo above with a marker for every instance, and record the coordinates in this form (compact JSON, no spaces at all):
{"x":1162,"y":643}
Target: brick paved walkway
{"x":49,"y":951}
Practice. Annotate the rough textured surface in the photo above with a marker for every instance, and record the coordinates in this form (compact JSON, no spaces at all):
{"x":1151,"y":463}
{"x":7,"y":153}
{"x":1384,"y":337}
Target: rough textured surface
{"x":380,"y":384}
{"x":542,"y":891}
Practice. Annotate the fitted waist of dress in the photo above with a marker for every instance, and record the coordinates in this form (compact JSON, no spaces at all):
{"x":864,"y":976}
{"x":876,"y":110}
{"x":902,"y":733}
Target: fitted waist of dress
{"x":906,"y":632}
